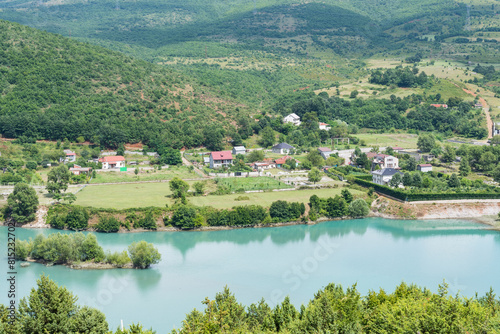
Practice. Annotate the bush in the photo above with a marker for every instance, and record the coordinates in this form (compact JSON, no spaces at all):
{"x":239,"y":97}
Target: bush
{"x":77,"y":219}
{"x":358,"y":208}
{"x":118,"y":259}
{"x":108,"y":224}
{"x":143,"y":254}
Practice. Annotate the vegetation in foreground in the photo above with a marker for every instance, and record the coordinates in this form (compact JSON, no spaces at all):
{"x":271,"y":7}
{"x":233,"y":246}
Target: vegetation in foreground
{"x":409,"y":309}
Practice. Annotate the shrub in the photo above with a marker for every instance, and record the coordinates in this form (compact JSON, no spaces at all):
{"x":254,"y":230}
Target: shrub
{"x":143,"y":254}
{"x":77,"y":219}
{"x":358,"y":208}
{"x":108,"y":224}
{"x":118,"y":259}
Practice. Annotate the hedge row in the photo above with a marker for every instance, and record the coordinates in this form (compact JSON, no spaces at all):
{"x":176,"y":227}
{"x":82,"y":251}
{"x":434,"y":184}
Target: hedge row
{"x":407,"y":196}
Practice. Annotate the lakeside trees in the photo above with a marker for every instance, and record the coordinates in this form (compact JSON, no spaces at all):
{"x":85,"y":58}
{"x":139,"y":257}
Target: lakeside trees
{"x":22,"y":203}
{"x":143,"y":254}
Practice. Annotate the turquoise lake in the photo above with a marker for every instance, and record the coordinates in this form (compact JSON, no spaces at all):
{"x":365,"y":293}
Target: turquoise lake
{"x":272,"y":263}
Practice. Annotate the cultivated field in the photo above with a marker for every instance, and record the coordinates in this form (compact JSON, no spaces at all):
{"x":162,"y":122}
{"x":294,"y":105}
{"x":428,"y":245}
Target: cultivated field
{"x":123,"y":196}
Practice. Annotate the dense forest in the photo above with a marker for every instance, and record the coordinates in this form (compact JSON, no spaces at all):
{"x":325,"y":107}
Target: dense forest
{"x":55,"y":88}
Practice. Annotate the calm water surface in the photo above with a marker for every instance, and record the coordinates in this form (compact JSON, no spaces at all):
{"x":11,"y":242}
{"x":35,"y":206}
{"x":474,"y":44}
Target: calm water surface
{"x":274,"y":262}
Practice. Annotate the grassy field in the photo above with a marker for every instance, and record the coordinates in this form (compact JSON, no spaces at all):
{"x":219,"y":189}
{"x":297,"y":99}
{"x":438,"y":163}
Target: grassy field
{"x":121,"y":196}
{"x":252,"y":183}
{"x":150,"y":175}
{"x":404,"y":140}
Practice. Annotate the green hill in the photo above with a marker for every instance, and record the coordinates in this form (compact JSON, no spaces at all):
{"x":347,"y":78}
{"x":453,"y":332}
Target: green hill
{"x":52,"y":87}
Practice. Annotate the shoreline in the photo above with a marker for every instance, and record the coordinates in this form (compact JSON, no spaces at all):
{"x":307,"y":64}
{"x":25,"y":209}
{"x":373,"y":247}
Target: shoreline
{"x":78,"y":265}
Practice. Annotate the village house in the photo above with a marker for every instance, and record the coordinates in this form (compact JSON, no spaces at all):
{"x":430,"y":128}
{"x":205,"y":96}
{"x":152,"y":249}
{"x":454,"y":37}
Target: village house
{"x":292,"y":118}
{"x":263,"y":165}
{"x":77,"y":170}
{"x":219,"y":159}
{"x":70,"y":156}
{"x":424,"y":168}
{"x":282,"y":148}
{"x":382,"y":160}
{"x":112,"y":162}
{"x":384,"y":176}
{"x":239,"y":150}
{"x":325,"y":152}
{"x":324,"y":126}
{"x":445,"y":106}
{"x":280,"y":162}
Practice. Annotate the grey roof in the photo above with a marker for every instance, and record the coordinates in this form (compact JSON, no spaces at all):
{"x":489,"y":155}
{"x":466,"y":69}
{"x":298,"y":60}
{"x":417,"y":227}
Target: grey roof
{"x":239,"y":148}
{"x":386,"y":171}
{"x":283,"y":145}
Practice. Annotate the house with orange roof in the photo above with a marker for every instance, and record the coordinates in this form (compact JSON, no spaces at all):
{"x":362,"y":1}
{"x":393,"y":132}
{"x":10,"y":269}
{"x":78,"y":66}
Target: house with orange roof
{"x":112,"y":162}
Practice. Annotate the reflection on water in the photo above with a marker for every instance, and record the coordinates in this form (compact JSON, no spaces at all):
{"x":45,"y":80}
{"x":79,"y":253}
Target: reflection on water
{"x":274,"y":262}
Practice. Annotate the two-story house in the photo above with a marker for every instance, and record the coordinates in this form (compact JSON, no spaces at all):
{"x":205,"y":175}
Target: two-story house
{"x":219,"y":159}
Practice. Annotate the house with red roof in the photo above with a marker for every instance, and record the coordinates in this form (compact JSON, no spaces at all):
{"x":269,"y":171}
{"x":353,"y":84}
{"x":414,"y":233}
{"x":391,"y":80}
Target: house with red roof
{"x":445,"y":106}
{"x":70,"y":156}
{"x":281,"y":161}
{"x":221,"y":158}
{"x":113,"y":161}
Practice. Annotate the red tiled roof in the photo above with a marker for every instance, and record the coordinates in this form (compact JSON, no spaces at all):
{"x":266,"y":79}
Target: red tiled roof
{"x":222,"y":155}
{"x":439,"y":105}
{"x":71,"y":153}
{"x":324,"y":149}
{"x":282,"y":160}
{"x":425,"y":165}
{"x":113,"y":158}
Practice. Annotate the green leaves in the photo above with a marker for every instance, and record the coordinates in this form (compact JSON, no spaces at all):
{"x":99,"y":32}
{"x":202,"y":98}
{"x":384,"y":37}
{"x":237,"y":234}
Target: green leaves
{"x":143,"y":254}
{"x":23,"y":203}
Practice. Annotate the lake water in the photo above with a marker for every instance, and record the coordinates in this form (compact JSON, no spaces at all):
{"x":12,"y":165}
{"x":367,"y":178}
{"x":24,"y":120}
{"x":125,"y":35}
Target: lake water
{"x":274,"y":262}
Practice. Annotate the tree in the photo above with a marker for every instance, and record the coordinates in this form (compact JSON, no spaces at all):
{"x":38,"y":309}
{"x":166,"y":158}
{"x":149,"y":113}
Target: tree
{"x":427,"y":182}
{"x":407,"y":179}
{"x":178,"y":187}
{"x":280,"y":210}
{"x":255,"y":155}
{"x":495,"y":140}
{"x":53,"y":309}
{"x":267,"y":137}
{"x":143,"y":254}
{"x":464,"y":168}
{"x":58,"y":179}
{"x":199,"y":188}
{"x":315,"y":158}
{"x":363,"y":161}
{"x":23,"y":203}
{"x":417,"y":180}
{"x":346,"y":194}
{"x":487,"y":161}
{"x":411,"y":164}
{"x":136,"y":170}
{"x":454,"y":182}
{"x":395,"y":180}
{"x":496,"y":173}
{"x":77,"y":219}
{"x":426,"y":142}
{"x":91,"y":250}
{"x":171,"y":156}
{"x":184,"y":217}
{"x":358,"y":208}
{"x":449,"y":154}
{"x":314,"y":175}
{"x":353,"y":94}
{"x":120,"y":150}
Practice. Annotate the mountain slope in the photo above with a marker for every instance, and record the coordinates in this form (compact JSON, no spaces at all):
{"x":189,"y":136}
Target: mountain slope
{"x":52,"y":87}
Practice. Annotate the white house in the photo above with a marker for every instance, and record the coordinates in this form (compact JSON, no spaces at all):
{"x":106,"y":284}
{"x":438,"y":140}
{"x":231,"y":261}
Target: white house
{"x":424,"y":168}
{"x":282,"y":148}
{"x":239,"y":150}
{"x":112,"y":161}
{"x":292,"y":118}
{"x":70,"y":156}
{"x":221,"y":158}
{"x":384,"y":176}
{"x":383,"y":160}
{"x":77,"y":170}
{"x":325,"y":152}
{"x":324,"y":126}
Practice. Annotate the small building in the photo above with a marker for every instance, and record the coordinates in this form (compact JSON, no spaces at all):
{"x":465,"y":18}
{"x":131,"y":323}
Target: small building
{"x":325,"y":152}
{"x":219,"y":159}
{"x":263,"y":165}
{"x":478,"y":105}
{"x":77,"y":170}
{"x":324,"y":126}
{"x":445,"y":106}
{"x":292,"y":118}
{"x":112,"y":162}
{"x":382,"y":160}
{"x":424,"y":168}
{"x":282,"y":148}
{"x":239,"y":150}
{"x":384,"y":176}
{"x":496,"y":129}
{"x":70,"y":156}
{"x":206,"y":160}
{"x":281,"y":161}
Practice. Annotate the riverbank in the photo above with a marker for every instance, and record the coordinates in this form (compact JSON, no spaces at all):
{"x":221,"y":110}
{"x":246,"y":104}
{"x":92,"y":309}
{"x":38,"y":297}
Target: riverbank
{"x":481,"y":211}
{"x":79,"y":265}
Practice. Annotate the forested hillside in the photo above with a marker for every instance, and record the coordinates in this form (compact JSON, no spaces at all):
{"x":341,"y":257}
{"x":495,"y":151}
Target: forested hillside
{"x":55,"y":88}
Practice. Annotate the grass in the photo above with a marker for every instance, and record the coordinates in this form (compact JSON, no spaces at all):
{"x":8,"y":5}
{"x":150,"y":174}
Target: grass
{"x":252,"y":183}
{"x":404,"y":140}
{"x":150,"y":175}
